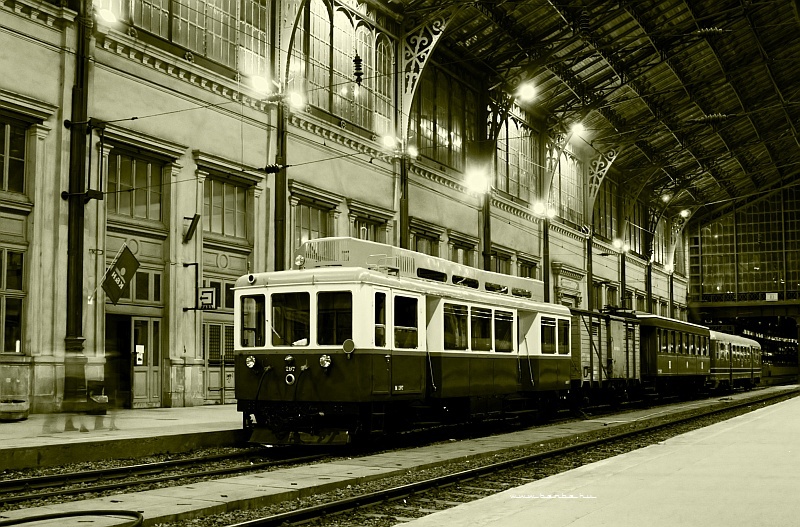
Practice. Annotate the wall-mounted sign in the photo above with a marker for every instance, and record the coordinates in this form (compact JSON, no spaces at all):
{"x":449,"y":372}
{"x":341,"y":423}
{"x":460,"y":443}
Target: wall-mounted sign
{"x":207,"y":298}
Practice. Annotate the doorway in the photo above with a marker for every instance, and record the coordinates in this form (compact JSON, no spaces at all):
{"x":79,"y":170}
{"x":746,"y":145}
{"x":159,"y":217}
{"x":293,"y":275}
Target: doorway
{"x":133,"y":361}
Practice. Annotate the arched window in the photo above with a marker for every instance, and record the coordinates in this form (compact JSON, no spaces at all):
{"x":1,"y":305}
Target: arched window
{"x":363,"y":95}
{"x":384,"y":86}
{"x":319,"y":57}
{"x":343,"y":53}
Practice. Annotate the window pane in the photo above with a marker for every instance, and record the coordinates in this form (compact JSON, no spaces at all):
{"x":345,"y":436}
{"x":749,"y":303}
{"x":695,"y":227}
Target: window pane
{"x":230,"y":210}
{"x":13,"y":271}
{"x":290,"y":319}
{"x":253,"y":321}
{"x":214,"y":344}
{"x":156,"y":343}
{"x":156,"y":287}
{"x":481,"y":325}
{"x":503,"y":331}
{"x":140,"y":189}
{"x":380,"y":319}
{"x":241,"y":212}
{"x":334,"y":317}
{"x":155,"y":191}
{"x":125,"y":185}
{"x":142,"y":286}
{"x":12,"y":332}
{"x":563,"y":337}
{"x":548,"y":335}
{"x":228,"y":296}
{"x":405,"y":322}
{"x":455,"y":327}
{"x":16,"y":159}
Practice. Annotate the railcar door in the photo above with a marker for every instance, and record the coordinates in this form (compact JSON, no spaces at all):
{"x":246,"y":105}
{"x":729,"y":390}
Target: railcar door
{"x":408,"y":353}
{"x":382,"y":358}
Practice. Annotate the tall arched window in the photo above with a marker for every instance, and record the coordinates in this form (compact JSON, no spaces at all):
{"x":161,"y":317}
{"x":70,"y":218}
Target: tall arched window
{"x":363,"y":95}
{"x":343,"y":53}
{"x":384,"y":86}
{"x":442,"y":126}
{"x":319,"y":56}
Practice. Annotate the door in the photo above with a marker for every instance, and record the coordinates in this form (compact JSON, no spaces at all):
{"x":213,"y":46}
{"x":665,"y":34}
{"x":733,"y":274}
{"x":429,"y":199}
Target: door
{"x":218,"y":347}
{"x":146,"y":356}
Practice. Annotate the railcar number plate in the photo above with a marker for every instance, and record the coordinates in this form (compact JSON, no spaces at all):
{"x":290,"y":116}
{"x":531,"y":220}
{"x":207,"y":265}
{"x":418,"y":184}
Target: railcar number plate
{"x":398,"y":387}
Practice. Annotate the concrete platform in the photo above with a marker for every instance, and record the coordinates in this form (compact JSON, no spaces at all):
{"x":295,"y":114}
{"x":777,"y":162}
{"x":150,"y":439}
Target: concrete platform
{"x":54,"y":439}
{"x":254,"y":490}
{"x":743,"y":471}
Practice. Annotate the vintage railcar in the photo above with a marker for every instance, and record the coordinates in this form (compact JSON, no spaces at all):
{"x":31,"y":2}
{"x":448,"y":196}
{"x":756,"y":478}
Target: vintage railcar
{"x":363,"y":338}
{"x":605,"y":356}
{"x":675,"y":355}
{"x":736,"y":361}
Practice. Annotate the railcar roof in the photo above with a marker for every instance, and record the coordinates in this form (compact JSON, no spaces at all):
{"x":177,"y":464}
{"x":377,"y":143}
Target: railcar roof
{"x":646,"y":319}
{"x":734,"y":339}
{"x":359,"y":275}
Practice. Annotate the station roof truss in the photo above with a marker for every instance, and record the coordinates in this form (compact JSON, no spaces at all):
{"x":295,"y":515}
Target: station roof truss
{"x":700,"y":98}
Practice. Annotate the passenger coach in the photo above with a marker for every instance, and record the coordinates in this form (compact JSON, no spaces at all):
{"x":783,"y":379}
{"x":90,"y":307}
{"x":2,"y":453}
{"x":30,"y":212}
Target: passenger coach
{"x":364,"y":338}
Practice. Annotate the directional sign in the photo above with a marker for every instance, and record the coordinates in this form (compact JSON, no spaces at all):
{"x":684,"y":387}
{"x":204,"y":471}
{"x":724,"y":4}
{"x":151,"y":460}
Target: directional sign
{"x":207,"y":298}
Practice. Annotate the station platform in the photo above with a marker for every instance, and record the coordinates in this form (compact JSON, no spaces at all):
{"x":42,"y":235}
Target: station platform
{"x":743,"y":471}
{"x":54,"y":439}
{"x":758,"y":458}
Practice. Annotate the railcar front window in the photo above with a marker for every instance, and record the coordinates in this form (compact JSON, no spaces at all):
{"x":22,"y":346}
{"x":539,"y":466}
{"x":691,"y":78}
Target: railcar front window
{"x":563,"y":337}
{"x":503,"y":331}
{"x":481,"y":322}
{"x":405,"y":322}
{"x":290,"y":319}
{"x":548,"y":335}
{"x":455,"y":327}
{"x":253,"y":321}
{"x":334,"y":317}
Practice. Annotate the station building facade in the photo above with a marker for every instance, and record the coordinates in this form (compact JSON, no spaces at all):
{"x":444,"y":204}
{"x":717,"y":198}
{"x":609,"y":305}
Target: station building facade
{"x":179,"y":133}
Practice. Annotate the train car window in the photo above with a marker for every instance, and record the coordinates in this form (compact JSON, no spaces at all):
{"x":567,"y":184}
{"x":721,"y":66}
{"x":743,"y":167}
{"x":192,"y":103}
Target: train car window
{"x":672,"y":342}
{"x":681,"y":349}
{"x":481,"y":325}
{"x":466,"y":282}
{"x":334,"y":317}
{"x":430,"y":274}
{"x":380,"y":319}
{"x":253,"y":320}
{"x":405,"y":322}
{"x":563,"y":337}
{"x":661,"y":342}
{"x":455,"y":327}
{"x":503,"y":331}
{"x":548,"y":335}
{"x":291,"y":313}
{"x":524,"y":293}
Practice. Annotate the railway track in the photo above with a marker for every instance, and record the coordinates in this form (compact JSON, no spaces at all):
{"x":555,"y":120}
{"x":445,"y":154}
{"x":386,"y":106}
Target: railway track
{"x":398,"y":503}
{"x":98,"y":481}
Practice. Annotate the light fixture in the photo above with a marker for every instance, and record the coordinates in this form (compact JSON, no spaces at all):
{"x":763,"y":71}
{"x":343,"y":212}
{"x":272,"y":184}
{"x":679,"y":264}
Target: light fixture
{"x":107,"y":15}
{"x":260,"y":84}
{"x":685,"y":213}
{"x":325,"y":361}
{"x":296,"y":100}
{"x":539,"y":208}
{"x":412,"y":151}
{"x":476,"y":181}
{"x":526,"y":92}
{"x":577,"y":129}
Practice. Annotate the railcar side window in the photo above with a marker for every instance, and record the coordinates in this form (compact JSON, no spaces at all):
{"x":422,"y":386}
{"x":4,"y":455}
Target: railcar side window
{"x":503,"y":331}
{"x":563,"y":337}
{"x":455,"y":327}
{"x":481,"y":323}
{"x":253,"y":321}
{"x":548,"y":335}
{"x":334,"y":317}
{"x":290,"y":319}
{"x":380,"y":319}
{"x":405,"y":322}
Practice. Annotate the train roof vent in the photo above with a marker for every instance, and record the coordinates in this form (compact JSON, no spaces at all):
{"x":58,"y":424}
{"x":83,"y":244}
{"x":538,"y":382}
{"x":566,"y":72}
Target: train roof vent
{"x":387,"y":264}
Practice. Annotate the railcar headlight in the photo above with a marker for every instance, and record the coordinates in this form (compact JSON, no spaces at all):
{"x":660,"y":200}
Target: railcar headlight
{"x":325,"y":361}
{"x":250,"y":362}
{"x":299,"y":261}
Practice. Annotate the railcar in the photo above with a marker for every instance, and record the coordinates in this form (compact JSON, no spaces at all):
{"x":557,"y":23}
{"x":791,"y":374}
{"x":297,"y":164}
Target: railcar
{"x":674,"y":355}
{"x":735,"y":361}
{"x":362,"y":338}
{"x":605,"y":356}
